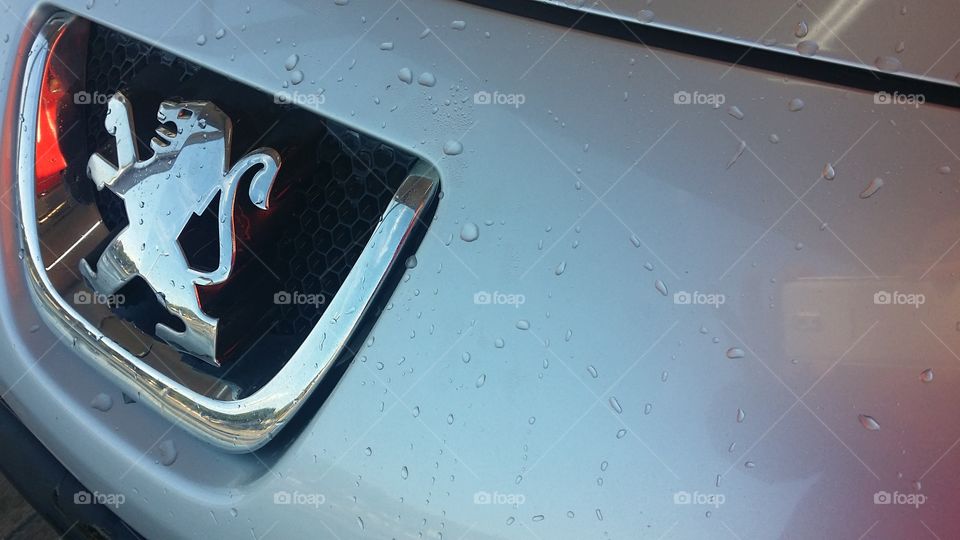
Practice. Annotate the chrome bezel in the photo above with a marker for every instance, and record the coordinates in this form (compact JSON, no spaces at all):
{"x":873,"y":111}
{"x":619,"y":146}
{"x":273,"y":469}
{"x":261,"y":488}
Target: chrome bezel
{"x":241,"y":425}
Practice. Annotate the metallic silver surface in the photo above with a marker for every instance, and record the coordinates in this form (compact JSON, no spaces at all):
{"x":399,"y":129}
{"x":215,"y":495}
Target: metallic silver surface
{"x":911,"y":37}
{"x":190,"y":166}
{"x":585,"y":196}
{"x":236,"y":425}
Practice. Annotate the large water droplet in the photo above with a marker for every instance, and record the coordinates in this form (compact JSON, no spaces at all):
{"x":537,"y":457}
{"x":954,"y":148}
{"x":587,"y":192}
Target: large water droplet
{"x":427,"y":79}
{"x":405,"y":75}
{"x":661,"y":287}
{"x":291,"y":62}
{"x":168,"y":452}
{"x":452,"y":148}
{"x":808,"y":47}
{"x":872,"y":188}
{"x":868,"y":422}
{"x":469,"y":232}
{"x":888,"y":63}
{"x":801,"y":30}
{"x":828,"y":172}
{"x":926,"y":375}
{"x":615,"y":405}
{"x":735,"y":112}
{"x":102,"y":402}
{"x":795,"y":104}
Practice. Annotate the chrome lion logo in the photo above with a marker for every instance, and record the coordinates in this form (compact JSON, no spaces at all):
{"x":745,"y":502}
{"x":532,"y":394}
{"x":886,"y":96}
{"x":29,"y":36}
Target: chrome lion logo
{"x":188,"y":169}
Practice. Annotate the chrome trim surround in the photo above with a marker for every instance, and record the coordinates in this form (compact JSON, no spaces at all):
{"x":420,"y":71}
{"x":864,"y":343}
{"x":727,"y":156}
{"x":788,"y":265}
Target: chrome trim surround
{"x":239,"y":425}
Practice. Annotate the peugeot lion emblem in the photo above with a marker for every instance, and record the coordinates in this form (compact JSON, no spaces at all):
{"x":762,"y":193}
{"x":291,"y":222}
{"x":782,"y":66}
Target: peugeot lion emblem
{"x":189,"y":167}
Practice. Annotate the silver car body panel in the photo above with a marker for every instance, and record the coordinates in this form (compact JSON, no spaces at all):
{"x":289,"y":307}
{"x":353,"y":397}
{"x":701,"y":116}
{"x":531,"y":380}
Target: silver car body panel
{"x":915,"y":39}
{"x":543,"y":380}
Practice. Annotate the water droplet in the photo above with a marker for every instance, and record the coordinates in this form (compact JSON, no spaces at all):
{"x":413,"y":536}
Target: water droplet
{"x":416,"y":411}
{"x":615,"y":405}
{"x":481,"y":380}
{"x":593,"y":371}
{"x":661,"y":287}
{"x":648,"y":408}
{"x":425,"y":33}
{"x":944,"y":169}
{"x":360,"y":522}
{"x":634,"y":240}
{"x":404,"y":473}
{"x":405,"y":75}
{"x":888,"y":63}
{"x":291,"y":62}
{"x":201,"y":40}
{"x":465,"y":357}
{"x":901,"y":46}
{"x":808,"y":47}
{"x":296,"y":77}
{"x":411,"y":262}
{"x":538,"y":517}
{"x":450,"y":419}
{"x":868,"y":422}
{"x":926,"y":375}
{"x":749,"y":464}
{"x":386,"y":46}
{"x":795,"y":104}
{"x":220,"y":33}
{"x":645,"y":15}
{"x":469,"y":232}
{"x":735,"y":112}
{"x":621,"y":433}
{"x":498,"y":343}
{"x":801,"y":30}
{"x":168,"y":452}
{"x":368,"y":451}
{"x":427,"y":79}
{"x":740,"y":415}
{"x":561,"y":268}
{"x":458,"y":25}
{"x":828,"y":172}
{"x":452,"y":148}
{"x":774,"y":138}
{"x":872,"y":188}
{"x":736,"y":155}
{"x":102,"y":402}
{"x":523,"y":324}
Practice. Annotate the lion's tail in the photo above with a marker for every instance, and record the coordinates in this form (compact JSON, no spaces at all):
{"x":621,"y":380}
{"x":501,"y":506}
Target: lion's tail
{"x":260,"y":186}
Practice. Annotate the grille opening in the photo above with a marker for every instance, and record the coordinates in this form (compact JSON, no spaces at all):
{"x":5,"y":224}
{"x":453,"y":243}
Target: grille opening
{"x":333,"y":186}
